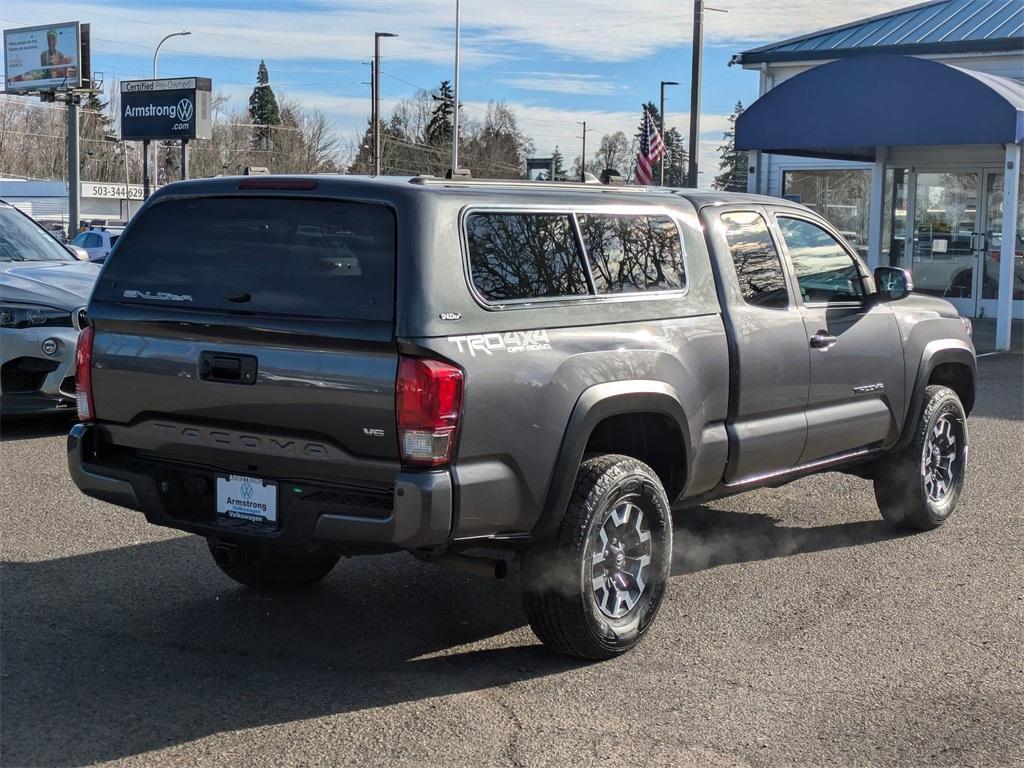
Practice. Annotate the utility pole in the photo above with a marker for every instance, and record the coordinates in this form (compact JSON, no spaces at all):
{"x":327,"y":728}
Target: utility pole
{"x":661,"y":128}
{"x":695,"y":72}
{"x":698,"y":46}
{"x":74,"y":166}
{"x":455,"y":90}
{"x":375,"y":79}
{"x":583,"y":157}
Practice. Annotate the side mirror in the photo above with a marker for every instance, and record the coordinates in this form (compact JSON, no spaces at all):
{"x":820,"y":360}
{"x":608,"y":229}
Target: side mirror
{"x":893,"y":283}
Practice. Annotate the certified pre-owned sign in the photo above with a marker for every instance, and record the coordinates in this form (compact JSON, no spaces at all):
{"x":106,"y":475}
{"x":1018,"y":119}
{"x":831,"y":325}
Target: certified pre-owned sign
{"x":173,"y":108}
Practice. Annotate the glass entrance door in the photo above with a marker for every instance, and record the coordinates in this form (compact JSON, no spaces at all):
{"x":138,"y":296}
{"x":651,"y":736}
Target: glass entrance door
{"x":992,"y":232}
{"x":946,"y":245}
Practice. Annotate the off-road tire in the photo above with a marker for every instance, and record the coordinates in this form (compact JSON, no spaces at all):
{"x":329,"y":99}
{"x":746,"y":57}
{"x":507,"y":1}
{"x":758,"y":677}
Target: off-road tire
{"x":269,"y":570}
{"x":559,"y":594}
{"x":902,"y":488}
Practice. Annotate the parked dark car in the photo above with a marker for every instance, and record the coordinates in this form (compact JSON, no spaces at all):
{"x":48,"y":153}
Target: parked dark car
{"x":42,"y":287}
{"x":299,"y":368}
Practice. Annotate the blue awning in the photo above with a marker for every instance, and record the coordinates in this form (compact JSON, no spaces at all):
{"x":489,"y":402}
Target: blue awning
{"x":847,"y":108}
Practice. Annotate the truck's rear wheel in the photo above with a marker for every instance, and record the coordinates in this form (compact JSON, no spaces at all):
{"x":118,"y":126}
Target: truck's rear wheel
{"x":268,"y":569}
{"x":919,"y":487}
{"x":594,"y":591}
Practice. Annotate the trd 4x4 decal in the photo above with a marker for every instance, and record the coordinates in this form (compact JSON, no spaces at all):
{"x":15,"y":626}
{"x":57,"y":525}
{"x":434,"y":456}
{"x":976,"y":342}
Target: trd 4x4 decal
{"x":510,"y":341}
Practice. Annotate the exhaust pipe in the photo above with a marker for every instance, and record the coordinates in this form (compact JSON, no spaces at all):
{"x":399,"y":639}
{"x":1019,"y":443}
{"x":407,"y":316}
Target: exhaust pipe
{"x":488,"y":567}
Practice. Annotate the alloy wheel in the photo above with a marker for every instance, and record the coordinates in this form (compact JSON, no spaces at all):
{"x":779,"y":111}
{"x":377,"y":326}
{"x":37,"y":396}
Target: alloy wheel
{"x":939,"y":461}
{"x":622,"y":556}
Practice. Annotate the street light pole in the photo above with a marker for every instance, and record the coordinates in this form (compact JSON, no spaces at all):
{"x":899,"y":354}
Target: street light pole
{"x":455,"y":89}
{"x":661,"y":128}
{"x":156,"y":145}
{"x":375,"y":111}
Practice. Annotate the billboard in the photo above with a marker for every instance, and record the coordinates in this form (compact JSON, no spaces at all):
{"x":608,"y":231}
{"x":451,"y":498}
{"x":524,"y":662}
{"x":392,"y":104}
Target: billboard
{"x":47,"y":58}
{"x":540,"y":168}
{"x":170,"y":108}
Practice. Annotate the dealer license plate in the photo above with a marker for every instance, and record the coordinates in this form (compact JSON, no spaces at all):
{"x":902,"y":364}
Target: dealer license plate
{"x":247,"y":498}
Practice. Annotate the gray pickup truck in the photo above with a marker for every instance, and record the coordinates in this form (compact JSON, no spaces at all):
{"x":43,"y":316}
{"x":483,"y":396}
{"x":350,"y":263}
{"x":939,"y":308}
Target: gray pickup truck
{"x":304,"y":368}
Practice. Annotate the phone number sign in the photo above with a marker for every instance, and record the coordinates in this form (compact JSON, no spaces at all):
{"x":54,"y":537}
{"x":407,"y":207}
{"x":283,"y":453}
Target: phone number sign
{"x":111,"y":191}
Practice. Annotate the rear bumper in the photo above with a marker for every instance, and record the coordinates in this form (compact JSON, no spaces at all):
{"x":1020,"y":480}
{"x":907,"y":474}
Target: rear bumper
{"x":420,"y":513}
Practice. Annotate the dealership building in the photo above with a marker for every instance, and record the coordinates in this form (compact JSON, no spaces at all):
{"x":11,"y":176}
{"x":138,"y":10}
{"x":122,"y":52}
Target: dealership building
{"x":905,"y":130}
{"x":47,"y":201}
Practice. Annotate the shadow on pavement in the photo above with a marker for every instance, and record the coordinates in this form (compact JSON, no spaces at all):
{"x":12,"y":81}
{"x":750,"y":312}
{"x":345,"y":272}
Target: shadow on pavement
{"x":30,"y":427}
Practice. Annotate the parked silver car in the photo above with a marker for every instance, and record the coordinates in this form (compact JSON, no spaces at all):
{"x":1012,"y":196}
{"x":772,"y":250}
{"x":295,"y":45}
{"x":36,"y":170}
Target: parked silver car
{"x":42,"y":290}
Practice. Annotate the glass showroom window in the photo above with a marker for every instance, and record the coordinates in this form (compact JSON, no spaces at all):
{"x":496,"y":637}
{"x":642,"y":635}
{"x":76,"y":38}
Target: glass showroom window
{"x":841,"y":196}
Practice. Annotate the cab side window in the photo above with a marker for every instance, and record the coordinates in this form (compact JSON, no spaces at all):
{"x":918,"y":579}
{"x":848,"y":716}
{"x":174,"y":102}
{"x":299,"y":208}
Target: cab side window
{"x":516,"y":256}
{"x":757,"y":262}
{"x":825,"y":272}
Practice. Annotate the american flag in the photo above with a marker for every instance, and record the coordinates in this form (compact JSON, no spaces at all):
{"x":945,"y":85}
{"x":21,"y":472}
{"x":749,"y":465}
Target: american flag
{"x":651,"y":150}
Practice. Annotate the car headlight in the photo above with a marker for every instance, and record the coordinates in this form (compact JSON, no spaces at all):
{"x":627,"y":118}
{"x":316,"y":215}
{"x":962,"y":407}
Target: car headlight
{"x":32,"y":316}
{"x":967,"y":325}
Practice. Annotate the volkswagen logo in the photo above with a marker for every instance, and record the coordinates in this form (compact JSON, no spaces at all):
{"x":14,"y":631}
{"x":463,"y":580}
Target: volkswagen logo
{"x":246,"y":490}
{"x":185,"y":110}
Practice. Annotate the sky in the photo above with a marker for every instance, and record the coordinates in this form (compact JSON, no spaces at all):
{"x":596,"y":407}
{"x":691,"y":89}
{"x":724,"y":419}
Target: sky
{"x":556,"y":62}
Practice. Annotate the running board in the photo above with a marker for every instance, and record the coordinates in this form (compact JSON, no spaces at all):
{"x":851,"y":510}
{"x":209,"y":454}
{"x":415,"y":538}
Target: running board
{"x":802,"y":469}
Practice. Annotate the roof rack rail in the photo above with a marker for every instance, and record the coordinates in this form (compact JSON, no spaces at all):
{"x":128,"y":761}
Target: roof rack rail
{"x":429,"y":180}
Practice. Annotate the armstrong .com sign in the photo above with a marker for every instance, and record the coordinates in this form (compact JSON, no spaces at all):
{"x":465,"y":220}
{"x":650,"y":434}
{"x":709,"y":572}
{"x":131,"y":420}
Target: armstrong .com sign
{"x":175,"y":108}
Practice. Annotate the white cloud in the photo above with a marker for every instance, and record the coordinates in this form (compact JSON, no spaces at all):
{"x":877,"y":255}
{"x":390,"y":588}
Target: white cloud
{"x":592,"y":30}
{"x":563,"y":82}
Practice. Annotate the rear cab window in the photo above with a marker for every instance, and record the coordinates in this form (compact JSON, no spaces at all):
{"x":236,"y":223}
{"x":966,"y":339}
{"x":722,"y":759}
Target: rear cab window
{"x":262,"y":255}
{"x":524,"y":256}
{"x":756,"y":260}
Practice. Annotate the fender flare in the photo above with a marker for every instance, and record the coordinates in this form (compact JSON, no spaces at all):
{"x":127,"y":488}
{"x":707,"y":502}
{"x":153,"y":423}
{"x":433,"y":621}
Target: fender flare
{"x":936,"y":353}
{"x":594,"y":405}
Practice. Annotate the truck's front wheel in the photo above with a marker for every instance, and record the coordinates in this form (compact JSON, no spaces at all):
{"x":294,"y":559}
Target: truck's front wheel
{"x":919,"y":487}
{"x":593,"y":591}
{"x":268,"y":569}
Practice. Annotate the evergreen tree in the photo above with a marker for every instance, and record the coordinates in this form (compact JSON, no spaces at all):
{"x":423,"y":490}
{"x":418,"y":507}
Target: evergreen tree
{"x":439,"y":128}
{"x":651,"y":107}
{"x":263,"y":110}
{"x":557,"y":165}
{"x":675,"y":158}
{"x":733,"y":164}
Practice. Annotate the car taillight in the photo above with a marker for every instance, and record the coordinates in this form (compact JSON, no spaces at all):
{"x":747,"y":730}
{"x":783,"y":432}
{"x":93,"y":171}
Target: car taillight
{"x":83,"y":375}
{"x":428,"y":400}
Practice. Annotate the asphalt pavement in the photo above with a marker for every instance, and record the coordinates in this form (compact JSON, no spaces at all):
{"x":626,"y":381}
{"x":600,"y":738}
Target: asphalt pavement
{"x":798,"y":630}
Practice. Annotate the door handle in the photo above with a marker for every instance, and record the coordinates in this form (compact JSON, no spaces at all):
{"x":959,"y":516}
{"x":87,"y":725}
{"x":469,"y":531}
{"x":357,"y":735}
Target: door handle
{"x":822,"y":340}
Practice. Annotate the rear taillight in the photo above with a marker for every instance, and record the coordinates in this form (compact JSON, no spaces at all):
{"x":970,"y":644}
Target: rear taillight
{"x":83,"y":375}
{"x":428,"y":399}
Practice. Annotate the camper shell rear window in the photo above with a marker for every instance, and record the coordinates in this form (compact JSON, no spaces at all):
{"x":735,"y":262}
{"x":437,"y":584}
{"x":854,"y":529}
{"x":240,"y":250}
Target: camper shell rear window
{"x":261,"y":255}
